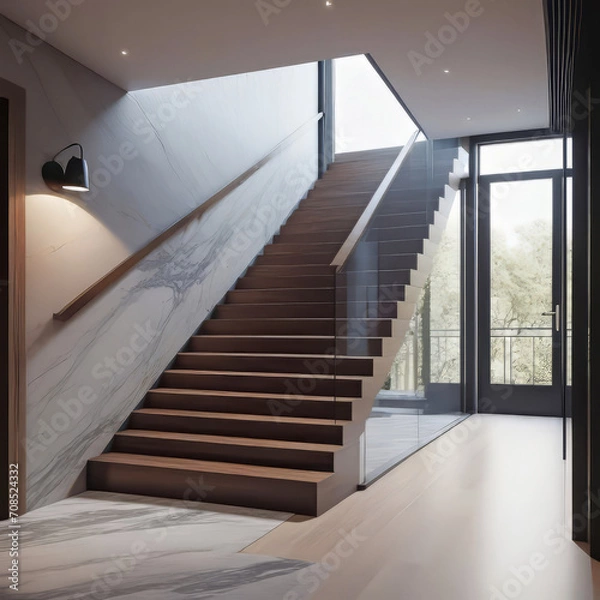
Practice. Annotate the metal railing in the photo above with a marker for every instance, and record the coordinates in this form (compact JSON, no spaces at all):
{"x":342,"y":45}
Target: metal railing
{"x":530,"y":364}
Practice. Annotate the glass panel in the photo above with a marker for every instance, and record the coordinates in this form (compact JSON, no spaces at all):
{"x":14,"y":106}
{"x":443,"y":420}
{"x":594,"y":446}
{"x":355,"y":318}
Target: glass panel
{"x":519,"y":157}
{"x":521,"y":282}
{"x":442,"y":341}
{"x":409,"y":261}
{"x":367,"y":115}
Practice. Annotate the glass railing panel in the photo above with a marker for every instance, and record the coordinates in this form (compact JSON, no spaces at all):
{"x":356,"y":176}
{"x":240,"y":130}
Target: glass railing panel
{"x":400,"y":292}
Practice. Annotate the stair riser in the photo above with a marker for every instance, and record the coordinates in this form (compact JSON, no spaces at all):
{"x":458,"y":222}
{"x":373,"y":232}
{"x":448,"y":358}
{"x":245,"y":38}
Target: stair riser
{"x":364,"y":274}
{"x":399,"y":262}
{"x":323,"y":259}
{"x":305,"y":248}
{"x":335,"y":200}
{"x":371,"y":157}
{"x":291,"y":432}
{"x":411,"y":176}
{"x":414,"y":262}
{"x":400,"y":220}
{"x":283,"y":407}
{"x":292,"y":327}
{"x":387,"y":292}
{"x":313,"y":237}
{"x":279,"y":296}
{"x":323,"y":216}
{"x":268,"y":385}
{"x":355,"y":187}
{"x":260,"y":282}
{"x":358,"y":347}
{"x":360,"y":279}
{"x":418,"y":180}
{"x":419,"y":232}
{"x":396,"y":205}
{"x":276,"y":311}
{"x":291,"y":270}
{"x":403,"y":247}
{"x":270,"y":494}
{"x":417,"y":199}
{"x":319,"y":226}
{"x":248,"y":455}
{"x":272,"y":364}
{"x":307,"y":311}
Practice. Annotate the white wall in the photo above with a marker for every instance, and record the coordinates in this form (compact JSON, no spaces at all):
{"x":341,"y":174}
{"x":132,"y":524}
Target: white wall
{"x":154,"y":155}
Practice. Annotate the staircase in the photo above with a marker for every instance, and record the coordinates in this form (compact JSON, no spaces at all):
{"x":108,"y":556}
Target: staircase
{"x":246,"y":415}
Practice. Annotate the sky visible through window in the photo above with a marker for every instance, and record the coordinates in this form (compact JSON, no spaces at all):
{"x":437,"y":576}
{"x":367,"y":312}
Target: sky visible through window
{"x":367,"y":114}
{"x":519,"y":157}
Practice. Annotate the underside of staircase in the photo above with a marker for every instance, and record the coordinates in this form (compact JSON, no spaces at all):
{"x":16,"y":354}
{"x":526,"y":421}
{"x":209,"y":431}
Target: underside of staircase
{"x":266,"y":405}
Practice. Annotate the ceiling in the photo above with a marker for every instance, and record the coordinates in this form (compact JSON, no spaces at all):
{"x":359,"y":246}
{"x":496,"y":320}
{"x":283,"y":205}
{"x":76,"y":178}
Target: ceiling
{"x":497,"y":63}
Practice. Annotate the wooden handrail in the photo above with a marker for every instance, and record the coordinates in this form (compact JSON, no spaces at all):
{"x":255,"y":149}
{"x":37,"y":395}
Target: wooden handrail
{"x":120,"y":270}
{"x":361,"y":225}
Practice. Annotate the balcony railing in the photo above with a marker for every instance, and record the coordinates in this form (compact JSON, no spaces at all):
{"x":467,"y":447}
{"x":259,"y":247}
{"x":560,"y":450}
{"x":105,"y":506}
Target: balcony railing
{"x":520,"y":356}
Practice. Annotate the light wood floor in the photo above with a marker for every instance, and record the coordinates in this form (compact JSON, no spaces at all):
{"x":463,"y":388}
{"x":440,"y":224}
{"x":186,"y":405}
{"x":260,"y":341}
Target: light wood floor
{"x":479,"y":509}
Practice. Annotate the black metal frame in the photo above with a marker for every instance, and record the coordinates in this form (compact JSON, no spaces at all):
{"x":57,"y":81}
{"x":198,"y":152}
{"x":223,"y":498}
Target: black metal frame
{"x":327,"y":123}
{"x":522,"y":399}
{"x":478,"y":393}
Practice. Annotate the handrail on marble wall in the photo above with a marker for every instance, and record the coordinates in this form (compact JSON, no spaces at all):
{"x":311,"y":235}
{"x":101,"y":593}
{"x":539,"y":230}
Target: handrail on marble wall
{"x":128,"y":264}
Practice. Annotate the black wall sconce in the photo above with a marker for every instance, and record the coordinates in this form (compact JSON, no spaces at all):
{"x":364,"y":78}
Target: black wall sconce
{"x":74,"y":179}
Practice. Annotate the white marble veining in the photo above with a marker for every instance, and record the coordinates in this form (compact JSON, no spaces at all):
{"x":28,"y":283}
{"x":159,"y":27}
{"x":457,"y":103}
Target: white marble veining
{"x":153,"y":155}
{"x":100,"y":545}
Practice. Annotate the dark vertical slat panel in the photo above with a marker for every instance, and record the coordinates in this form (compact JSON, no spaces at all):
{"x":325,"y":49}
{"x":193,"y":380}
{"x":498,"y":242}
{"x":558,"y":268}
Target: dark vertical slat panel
{"x":580,"y":391}
{"x":563,"y":24}
{"x":594,"y":320}
{"x":564,"y":20}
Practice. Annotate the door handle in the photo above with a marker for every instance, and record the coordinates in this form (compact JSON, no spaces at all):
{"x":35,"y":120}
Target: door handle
{"x":556,"y":315}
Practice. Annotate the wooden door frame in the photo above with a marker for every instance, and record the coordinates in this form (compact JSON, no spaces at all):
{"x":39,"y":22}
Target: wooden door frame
{"x":17,"y":361}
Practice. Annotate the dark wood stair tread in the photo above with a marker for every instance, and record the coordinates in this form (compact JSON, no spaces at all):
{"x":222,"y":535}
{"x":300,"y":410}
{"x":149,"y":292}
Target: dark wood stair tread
{"x":193,"y":414}
{"x":201,"y":466}
{"x":270,"y":336}
{"x":226,"y":440}
{"x":235,"y":394}
{"x":271,"y":355}
{"x":262,"y":374}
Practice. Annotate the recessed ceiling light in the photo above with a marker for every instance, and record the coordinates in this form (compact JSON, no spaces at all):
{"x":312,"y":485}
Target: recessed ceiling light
{"x":519,"y":110}
{"x":468,"y":118}
{"x":446,"y":70}
{"x":328,"y":3}
{"x":124,"y":52}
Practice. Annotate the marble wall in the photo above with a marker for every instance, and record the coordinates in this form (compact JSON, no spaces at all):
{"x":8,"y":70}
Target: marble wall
{"x":153,"y":155}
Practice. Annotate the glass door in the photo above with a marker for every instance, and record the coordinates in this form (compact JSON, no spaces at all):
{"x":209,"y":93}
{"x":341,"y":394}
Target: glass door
{"x":521,"y":295}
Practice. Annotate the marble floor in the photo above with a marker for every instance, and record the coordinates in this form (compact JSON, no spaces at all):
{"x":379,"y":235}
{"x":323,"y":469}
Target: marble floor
{"x":100,"y":546}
